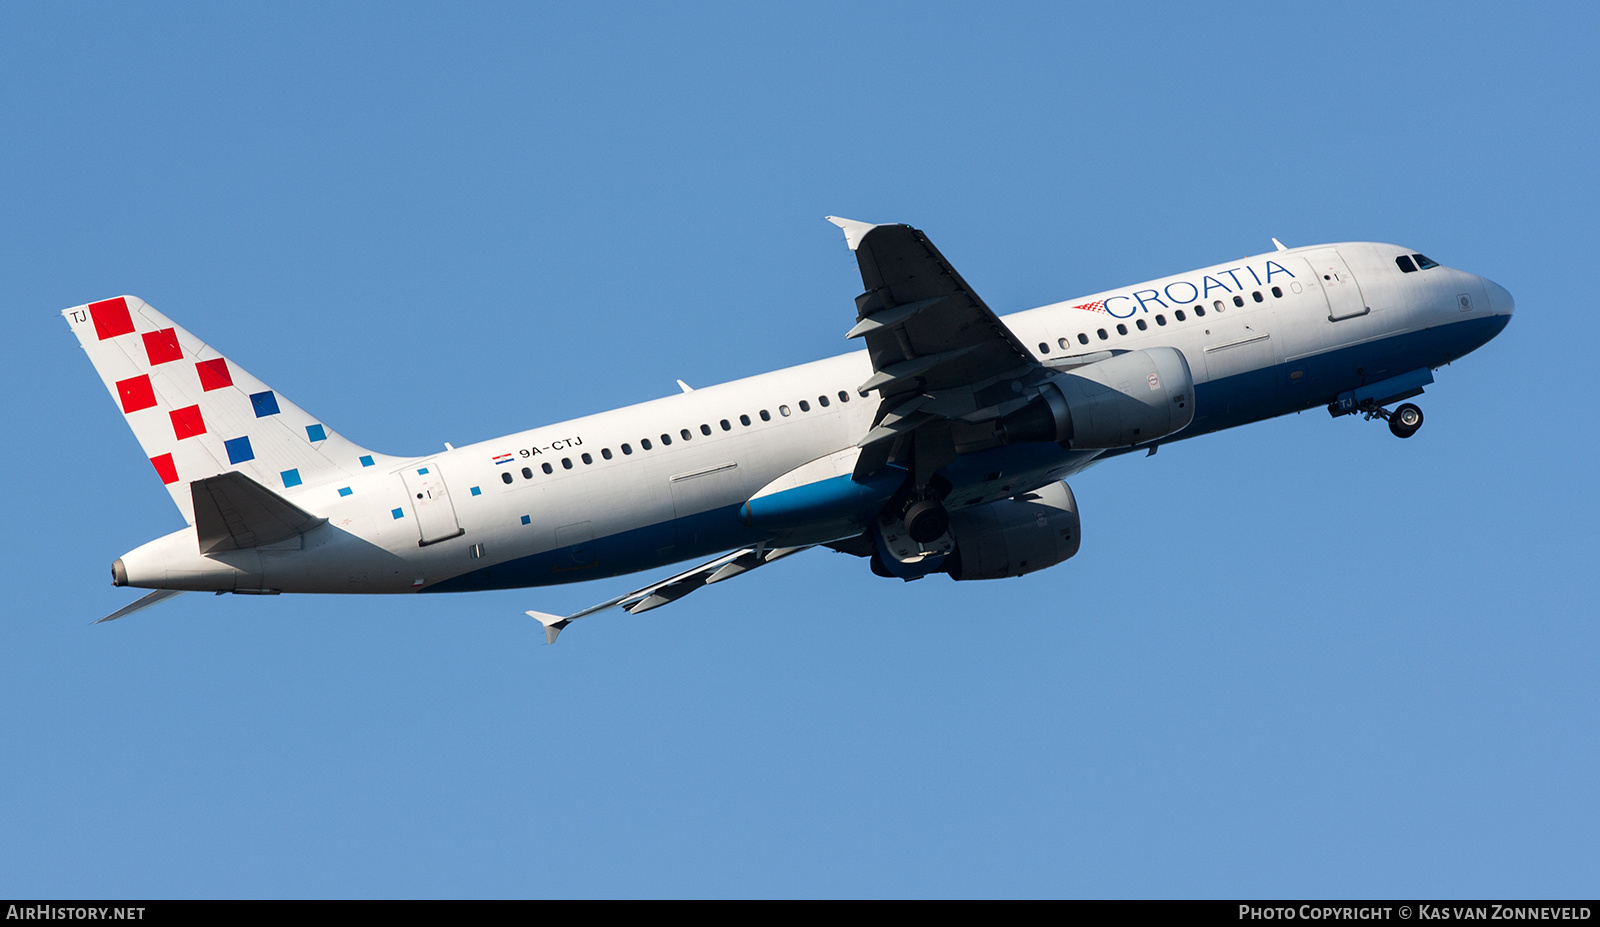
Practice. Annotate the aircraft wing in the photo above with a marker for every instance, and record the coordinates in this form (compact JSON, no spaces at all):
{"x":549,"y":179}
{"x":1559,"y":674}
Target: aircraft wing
{"x":939,"y":353}
{"x":672,"y":588}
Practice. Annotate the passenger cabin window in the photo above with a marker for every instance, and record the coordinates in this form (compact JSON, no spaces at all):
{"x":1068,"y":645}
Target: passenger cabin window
{"x":1423,"y":263}
{"x":547,"y":468}
{"x":1238,"y":300}
{"x":605,"y":452}
{"x":1178,"y":315}
{"x":1122,"y":329}
{"x":685,"y":433}
{"x":822,"y":401}
{"x":1141,"y":323}
{"x":766,"y":416}
{"x":1217,"y":305}
{"x":1162,"y":320}
{"x":705,"y":429}
{"x":644,"y":443}
{"x":783,"y":411}
{"x":1082,"y":338}
{"x":587,"y":459}
{"x":666,"y":440}
{"x":1277,"y":292}
{"x":726,"y":425}
{"x":1258,"y":297}
{"x":1064,"y":343}
{"x":844,"y":396}
{"x":1102,"y":333}
{"x":1200,"y":311}
{"x":744,"y":420}
{"x":527,"y":474}
{"x":626,"y":450}
{"x":505,"y":477}
{"x":566,"y":463}
{"x":1044,"y":347}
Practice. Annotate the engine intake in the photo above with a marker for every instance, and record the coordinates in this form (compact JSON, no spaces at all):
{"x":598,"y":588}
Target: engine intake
{"x":1015,"y":536}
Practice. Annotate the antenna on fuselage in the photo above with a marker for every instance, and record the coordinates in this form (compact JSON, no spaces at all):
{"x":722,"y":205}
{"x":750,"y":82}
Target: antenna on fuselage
{"x":1279,"y":245}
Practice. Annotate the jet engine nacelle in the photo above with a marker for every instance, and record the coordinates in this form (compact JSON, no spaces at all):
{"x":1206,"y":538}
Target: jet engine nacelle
{"x":1014,"y":536}
{"x":1133,"y":398}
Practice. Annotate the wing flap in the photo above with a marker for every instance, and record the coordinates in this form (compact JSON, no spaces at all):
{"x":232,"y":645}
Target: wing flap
{"x":930,"y":336}
{"x":916,"y":306}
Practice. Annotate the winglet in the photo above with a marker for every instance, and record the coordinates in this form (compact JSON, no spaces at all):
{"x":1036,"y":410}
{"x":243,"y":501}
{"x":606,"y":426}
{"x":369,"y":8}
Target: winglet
{"x":552,"y":625}
{"x":853,"y":231}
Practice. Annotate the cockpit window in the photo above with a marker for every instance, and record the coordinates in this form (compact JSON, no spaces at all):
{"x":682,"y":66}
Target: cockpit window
{"x":1424,"y":263}
{"x":1406,"y":266}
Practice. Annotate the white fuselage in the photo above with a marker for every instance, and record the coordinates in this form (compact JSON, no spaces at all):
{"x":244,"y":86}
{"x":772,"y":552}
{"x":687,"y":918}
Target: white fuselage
{"x":663,"y":481}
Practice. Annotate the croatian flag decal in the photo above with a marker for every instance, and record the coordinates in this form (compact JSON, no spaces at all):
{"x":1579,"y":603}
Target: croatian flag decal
{"x":1096,"y":306}
{"x":502,"y":458}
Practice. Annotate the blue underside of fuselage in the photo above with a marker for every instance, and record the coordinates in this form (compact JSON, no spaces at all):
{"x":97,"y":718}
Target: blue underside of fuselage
{"x":1225,"y":403}
{"x":654,"y":545}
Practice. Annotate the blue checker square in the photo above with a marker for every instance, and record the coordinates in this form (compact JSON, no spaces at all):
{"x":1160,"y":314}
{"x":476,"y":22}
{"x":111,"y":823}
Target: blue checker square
{"x":239,"y":450}
{"x":366,"y":460}
{"x":423,"y":472}
{"x":290,"y":478}
{"x":316,"y":433}
{"x":477,"y":491}
{"x":397,"y":513}
{"x":265,"y":403}
{"x":345,"y":490}
{"x":526,"y":519}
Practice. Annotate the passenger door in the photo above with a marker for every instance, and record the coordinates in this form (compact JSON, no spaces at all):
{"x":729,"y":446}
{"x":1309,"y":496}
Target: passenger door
{"x":1339,"y":286}
{"x":430,"y":502}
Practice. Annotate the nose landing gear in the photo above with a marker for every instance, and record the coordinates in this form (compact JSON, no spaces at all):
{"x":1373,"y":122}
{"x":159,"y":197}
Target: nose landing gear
{"x":1403,"y":421}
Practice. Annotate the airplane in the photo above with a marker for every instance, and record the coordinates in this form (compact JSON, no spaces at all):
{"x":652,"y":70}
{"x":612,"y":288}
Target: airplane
{"x":942,"y":448}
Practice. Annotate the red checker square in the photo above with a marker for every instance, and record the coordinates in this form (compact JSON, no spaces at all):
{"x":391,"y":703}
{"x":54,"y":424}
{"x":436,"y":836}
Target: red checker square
{"x":214,"y":374}
{"x":136,"y":393}
{"x":111,"y":318}
{"x":162,"y":346}
{"x":186,"y":422}
{"x":165,"y":468}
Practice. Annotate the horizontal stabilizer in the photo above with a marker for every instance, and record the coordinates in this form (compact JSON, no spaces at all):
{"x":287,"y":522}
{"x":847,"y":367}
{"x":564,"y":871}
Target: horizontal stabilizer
{"x":144,"y":602}
{"x":233,"y":512}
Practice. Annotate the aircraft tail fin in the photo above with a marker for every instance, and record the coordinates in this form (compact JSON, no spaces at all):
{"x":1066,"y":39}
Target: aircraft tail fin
{"x":198,"y":415}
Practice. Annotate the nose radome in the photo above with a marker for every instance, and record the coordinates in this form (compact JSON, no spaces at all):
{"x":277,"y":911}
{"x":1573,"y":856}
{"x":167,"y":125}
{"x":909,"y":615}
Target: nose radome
{"x":1500,"y":301}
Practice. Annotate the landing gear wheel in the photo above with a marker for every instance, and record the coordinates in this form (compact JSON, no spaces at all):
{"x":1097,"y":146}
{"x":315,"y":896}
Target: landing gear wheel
{"x":927,"y":521}
{"x":1405,"y":420}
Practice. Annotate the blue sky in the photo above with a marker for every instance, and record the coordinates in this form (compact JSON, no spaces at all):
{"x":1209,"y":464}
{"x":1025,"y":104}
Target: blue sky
{"x":1298,"y":658}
